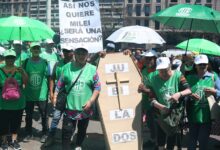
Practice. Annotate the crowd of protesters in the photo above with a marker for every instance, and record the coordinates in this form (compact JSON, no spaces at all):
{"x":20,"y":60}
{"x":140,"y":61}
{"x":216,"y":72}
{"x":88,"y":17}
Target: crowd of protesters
{"x":171,"y":85}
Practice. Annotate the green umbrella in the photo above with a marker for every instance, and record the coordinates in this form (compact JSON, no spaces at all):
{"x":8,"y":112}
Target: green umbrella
{"x":200,"y":46}
{"x":190,"y":17}
{"x":24,"y":28}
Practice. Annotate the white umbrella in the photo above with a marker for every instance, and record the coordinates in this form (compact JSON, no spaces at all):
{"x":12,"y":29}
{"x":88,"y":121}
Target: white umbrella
{"x":175,"y":52}
{"x":136,"y":34}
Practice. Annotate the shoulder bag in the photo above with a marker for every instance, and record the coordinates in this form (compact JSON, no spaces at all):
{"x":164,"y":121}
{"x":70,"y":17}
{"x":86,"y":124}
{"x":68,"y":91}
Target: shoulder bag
{"x":62,"y":95}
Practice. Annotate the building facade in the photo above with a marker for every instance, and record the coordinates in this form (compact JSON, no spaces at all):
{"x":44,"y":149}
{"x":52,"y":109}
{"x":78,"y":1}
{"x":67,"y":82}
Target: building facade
{"x":138,"y":11}
{"x":114,"y":13}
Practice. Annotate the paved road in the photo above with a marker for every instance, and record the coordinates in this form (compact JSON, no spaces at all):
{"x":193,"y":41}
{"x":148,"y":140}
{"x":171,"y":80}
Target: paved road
{"x":94,"y":139}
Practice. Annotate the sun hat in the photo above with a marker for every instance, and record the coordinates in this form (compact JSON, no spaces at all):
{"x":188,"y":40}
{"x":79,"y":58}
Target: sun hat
{"x":201,"y":59}
{"x":162,"y":63}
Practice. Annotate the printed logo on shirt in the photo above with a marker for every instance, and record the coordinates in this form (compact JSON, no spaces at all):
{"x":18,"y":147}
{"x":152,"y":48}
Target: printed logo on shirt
{"x":166,"y":93}
{"x":35,"y":80}
{"x":80,"y":84}
{"x":200,"y":92}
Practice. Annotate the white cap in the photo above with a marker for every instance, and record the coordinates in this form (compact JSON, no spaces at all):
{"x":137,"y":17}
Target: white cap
{"x":149,"y":53}
{"x":162,"y":63}
{"x":201,"y":59}
{"x":177,"y":62}
{"x":66,"y":47}
{"x":2,"y":50}
{"x":17,"y":42}
{"x":111,"y":45}
{"x":49,"y":41}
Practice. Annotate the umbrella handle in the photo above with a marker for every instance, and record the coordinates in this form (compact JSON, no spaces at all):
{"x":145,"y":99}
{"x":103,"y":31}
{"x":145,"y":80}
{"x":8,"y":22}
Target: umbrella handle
{"x":189,"y":36}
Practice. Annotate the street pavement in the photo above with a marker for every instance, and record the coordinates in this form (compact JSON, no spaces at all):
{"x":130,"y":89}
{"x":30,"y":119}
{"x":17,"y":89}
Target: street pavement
{"x":94,"y":138}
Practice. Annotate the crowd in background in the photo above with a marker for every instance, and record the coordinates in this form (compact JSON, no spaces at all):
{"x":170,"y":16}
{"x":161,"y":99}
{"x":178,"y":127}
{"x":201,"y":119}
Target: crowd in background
{"x":179,"y":85}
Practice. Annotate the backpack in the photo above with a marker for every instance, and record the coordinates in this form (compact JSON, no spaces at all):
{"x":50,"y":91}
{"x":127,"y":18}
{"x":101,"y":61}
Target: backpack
{"x":10,"y":90}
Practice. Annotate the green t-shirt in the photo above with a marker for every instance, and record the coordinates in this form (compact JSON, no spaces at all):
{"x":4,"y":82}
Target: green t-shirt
{"x":58,"y":69}
{"x":145,"y":99}
{"x":83,"y":89}
{"x":198,"y":110}
{"x":51,"y":58}
{"x":13,"y":104}
{"x":164,"y":89}
{"x":21,"y":58}
{"x":37,"y":85}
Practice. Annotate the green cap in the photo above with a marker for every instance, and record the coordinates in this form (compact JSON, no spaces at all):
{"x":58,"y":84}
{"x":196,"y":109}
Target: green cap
{"x":33,"y":44}
{"x":9,"y":53}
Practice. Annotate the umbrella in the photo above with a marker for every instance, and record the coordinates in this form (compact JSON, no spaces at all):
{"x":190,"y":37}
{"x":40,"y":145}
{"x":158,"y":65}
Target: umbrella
{"x":190,"y":17}
{"x":24,"y":28}
{"x":175,"y":52}
{"x":201,"y":46}
{"x":136,"y":34}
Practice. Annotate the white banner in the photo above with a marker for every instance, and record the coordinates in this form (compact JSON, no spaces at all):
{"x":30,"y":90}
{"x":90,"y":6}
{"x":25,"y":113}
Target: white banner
{"x":80,"y":24}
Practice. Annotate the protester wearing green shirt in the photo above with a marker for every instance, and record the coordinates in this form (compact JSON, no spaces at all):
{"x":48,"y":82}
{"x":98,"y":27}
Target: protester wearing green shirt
{"x":81,"y":97}
{"x":49,"y":54}
{"x":36,"y":90}
{"x":203,"y":84}
{"x":167,"y":87}
{"x":11,"y":109}
{"x":149,"y":57}
{"x":57,"y":70}
{"x":21,"y":55}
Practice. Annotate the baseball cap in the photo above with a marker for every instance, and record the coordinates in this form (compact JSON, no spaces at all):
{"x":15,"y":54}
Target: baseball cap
{"x":149,"y":53}
{"x":66,"y":47}
{"x":9,"y":53}
{"x":2,"y":50}
{"x":81,"y":49}
{"x":17,"y":42}
{"x":201,"y":59}
{"x":111,"y":45}
{"x":162,"y":63}
{"x":49,"y":41}
{"x":33,"y":44}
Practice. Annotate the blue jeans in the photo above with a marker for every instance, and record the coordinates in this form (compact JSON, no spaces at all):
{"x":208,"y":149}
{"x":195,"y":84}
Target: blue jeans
{"x":199,"y":132}
{"x":55,"y":121}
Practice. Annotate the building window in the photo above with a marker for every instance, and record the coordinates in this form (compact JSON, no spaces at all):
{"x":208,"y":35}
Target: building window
{"x":198,"y":1}
{"x":147,"y":10}
{"x":129,"y":10}
{"x":158,"y":8}
{"x":138,"y":22}
{"x":187,"y":1}
{"x":138,"y":10}
{"x":208,"y":1}
{"x":158,"y":1}
{"x":173,"y":1}
{"x":130,"y":1}
{"x":147,"y":1}
{"x":208,"y":5}
{"x":146,"y":23}
{"x":138,"y":1}
{"x":157,"y":25}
